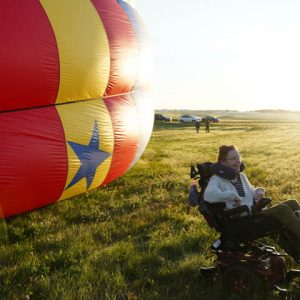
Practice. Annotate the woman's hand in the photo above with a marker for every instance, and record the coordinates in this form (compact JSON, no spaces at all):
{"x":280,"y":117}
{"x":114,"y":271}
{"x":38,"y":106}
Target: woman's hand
{"x":237,"y":201}
{"x":259,"y":194}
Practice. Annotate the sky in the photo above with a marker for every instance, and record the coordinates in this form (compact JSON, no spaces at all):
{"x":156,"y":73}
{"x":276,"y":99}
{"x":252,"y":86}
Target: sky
{"x":224,"y":54}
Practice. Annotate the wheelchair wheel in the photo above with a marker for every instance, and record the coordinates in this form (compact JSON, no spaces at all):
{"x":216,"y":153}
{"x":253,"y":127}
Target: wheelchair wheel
{"x":240,"y":282}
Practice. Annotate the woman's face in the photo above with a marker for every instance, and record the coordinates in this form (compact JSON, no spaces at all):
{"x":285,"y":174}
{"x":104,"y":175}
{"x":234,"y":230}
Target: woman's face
{"x":233,"y":160}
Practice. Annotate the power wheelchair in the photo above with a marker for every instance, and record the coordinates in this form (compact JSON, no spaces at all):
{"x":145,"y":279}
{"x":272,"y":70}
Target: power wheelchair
{"x":248,"y":267}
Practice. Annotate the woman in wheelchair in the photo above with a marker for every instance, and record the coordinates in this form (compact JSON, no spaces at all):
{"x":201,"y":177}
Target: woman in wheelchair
{"x":230,"y":186}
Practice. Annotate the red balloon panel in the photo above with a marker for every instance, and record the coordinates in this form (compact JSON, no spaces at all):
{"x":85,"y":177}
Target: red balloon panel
{"x":29,"y":75}
{"x":123,"y":64}
{"x":33,"y":160}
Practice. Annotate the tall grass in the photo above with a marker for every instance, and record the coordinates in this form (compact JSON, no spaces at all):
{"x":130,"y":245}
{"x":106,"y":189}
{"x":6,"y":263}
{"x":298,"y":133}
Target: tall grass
{"x":136,"y":238}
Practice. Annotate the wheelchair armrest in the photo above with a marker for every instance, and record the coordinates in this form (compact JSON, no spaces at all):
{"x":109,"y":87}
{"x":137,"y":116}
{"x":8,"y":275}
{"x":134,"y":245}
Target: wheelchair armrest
{"x":215,"y":208}
{"x":238,"y":223}
{"x":237,"y":212}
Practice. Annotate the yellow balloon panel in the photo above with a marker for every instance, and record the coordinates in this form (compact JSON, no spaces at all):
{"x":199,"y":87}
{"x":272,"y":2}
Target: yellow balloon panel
{"x":90,"y":141}
{"x":83,"y":49}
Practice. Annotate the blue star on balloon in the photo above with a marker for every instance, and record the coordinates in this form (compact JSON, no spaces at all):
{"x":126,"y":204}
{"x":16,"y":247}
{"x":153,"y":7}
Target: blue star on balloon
{"x":90,"y":157}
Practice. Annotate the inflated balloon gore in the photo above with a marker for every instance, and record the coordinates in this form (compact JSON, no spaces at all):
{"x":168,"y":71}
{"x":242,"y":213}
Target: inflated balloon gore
{"x":75,"y":110}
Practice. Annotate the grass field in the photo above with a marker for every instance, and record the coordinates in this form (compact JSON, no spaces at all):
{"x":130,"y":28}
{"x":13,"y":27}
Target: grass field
{"x":136,"y":238}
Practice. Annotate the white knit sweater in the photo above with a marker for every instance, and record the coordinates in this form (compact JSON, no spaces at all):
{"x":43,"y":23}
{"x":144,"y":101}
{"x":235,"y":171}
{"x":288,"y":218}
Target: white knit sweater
{"x":222,"y":190}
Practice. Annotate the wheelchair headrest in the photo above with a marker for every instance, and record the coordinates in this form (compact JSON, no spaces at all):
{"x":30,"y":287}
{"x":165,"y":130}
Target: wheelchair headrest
{"x":204,"y":170}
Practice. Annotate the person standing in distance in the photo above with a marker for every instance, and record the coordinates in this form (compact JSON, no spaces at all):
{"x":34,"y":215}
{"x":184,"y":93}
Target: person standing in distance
{"x":197,"y":126}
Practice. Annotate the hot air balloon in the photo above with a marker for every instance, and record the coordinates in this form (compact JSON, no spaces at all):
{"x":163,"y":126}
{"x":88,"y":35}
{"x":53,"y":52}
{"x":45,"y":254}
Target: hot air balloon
{"x":75,"y":107}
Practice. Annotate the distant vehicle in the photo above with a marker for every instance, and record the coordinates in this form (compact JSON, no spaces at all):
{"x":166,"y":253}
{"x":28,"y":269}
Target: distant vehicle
{"x":189,"y":119}
{"x":210,"y":119}
{"x":160,"y":117}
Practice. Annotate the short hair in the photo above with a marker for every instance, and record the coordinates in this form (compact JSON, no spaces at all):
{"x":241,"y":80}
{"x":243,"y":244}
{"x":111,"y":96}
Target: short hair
{"x":223,"y":151}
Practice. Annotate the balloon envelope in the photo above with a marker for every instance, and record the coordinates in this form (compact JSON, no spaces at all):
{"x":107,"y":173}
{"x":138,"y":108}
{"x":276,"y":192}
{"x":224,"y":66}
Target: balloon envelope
{"x":75,"y":110}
